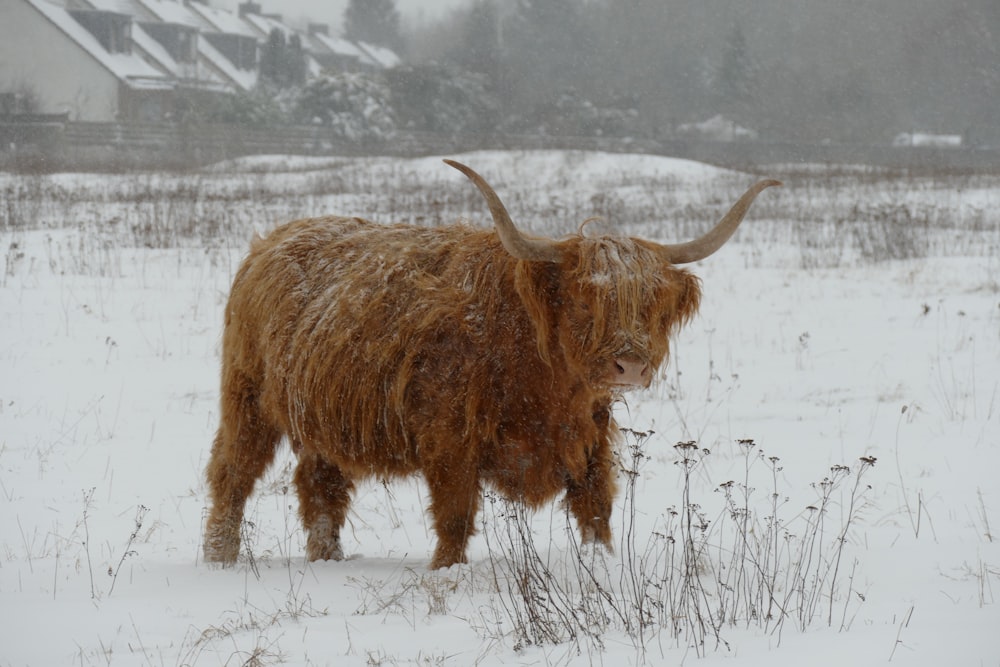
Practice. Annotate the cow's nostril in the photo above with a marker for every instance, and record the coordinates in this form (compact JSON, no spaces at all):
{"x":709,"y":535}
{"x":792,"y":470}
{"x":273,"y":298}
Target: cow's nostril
{"x":621,"y":369}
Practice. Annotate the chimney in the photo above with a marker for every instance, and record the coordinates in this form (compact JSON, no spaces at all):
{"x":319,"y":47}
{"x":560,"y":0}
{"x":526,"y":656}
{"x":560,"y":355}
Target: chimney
{"x":249,"y":8}
{"x":319,"y":29}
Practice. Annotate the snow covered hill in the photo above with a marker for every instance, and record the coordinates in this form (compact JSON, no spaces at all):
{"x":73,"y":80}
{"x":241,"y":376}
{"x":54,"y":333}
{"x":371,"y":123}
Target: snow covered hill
{"x":851,"y":330}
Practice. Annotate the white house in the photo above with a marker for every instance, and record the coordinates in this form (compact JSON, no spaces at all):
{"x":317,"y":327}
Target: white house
{"x":172,"y":47}
{"x":231,"y":56}
{"x":146,"y":60}
{"x":335,"y":53}
{"x":928,"y":140}
{"x":87,"y":67}
{"x":233,"y":40}
{"x":264,"y":24}
{"x":383,"y":56}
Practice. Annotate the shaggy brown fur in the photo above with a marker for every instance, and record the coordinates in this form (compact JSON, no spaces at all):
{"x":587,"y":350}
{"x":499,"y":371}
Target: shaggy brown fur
{"x":386,"y":351}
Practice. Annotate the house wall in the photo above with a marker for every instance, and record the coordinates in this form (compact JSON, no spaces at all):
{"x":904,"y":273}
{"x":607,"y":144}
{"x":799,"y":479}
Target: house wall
{"x":37,"y":57}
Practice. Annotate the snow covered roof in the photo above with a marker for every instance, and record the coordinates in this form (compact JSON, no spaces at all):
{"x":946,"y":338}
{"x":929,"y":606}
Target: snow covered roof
{"x":130,"y":68}
{"x":120,"y":6}
{"x":215,"y":75}
{"x":188,"y":72}
{"x":718,"y":128}
{"x":927,"y":139}
{"x":245,"y":79}
{"x":153,"y":67}
{"x":383,"y":56}
{"x":265,"y":24}
{"x":154,"y":50}
{"x":170,"y":11}
{"x":367,"y":54}
{"x":313,"y":68}
{"x":222,"y":21}
{"x":344,"y":48}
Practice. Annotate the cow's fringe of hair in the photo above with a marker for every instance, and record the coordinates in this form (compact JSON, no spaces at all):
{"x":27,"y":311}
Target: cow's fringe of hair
{"x":622,"y":272}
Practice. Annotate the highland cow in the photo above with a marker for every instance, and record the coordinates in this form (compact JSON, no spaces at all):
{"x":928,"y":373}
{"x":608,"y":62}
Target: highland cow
{"x":474,"y":357}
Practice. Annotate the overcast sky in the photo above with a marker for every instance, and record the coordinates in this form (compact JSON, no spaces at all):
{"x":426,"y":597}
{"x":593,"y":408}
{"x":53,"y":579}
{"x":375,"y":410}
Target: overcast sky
{"x":300,"y":12}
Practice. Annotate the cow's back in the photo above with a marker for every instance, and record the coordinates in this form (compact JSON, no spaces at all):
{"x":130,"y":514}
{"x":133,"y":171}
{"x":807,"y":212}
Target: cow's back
{"x":332,"y":318}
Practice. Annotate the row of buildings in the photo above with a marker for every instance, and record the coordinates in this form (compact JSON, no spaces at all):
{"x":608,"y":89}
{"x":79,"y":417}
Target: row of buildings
{"x":135,"y":60}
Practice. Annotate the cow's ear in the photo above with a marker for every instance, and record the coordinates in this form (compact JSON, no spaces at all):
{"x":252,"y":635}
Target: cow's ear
{"x":536,"y":284}
{"x":688,"y":296}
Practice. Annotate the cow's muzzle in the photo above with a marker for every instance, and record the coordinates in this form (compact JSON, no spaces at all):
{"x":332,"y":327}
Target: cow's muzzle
{"x":626,"y":372}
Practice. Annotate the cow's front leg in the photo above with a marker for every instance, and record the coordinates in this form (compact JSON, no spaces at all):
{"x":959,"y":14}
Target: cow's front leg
{"x":454,"y":493}
{"x":590,"y":497}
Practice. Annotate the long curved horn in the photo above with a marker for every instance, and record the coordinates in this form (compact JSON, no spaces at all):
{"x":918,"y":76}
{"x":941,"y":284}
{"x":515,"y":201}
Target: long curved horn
{"x":700,"y":248}
{"x":516,"y":243}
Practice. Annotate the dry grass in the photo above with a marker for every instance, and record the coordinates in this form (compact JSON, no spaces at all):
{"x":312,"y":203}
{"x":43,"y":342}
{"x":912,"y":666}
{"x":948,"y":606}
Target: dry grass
{"x":758,"y":564}
{"x":828,"y":219}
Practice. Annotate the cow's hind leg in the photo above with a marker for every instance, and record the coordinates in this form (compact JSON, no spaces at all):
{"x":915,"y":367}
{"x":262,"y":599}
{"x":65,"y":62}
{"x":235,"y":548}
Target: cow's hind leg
{"x":324,"y":496}
{"x":244,"y":447}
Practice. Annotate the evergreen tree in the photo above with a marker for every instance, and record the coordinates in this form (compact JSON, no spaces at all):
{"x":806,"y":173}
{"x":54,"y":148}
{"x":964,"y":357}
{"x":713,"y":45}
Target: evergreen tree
{"x":373,"y":21}
{"x":272,"y":54}
{"x":282,"y":62}
{"x":548,"y":46}
{"x":294,"y":65}
{"x":480,"y":49}
{"x":734,"y":82}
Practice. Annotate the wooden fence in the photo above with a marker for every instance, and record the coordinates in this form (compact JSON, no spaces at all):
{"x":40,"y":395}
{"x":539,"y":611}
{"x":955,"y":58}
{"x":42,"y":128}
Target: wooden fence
{"x":53,"y":143}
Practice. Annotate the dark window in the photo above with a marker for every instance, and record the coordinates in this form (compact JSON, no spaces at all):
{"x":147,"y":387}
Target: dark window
{"x":112,"y":30}
{"x":180,"y":41}
{"x":239,"y":49}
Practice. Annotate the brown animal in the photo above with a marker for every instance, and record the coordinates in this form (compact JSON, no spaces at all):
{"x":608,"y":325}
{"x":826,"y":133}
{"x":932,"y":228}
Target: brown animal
{"x":475,"y":357}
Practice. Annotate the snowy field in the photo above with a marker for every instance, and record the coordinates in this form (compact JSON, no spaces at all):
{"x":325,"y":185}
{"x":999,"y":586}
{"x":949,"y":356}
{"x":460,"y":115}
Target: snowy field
{"x":851,"y":330}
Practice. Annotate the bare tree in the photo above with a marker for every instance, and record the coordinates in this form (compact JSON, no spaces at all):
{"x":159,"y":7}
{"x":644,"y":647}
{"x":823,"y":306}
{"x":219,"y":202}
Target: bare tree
{"x":374,"y":21}
{"x":846,"y":71}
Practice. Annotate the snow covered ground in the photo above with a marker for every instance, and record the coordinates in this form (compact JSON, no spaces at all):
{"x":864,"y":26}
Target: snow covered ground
{"x":855,"y":314}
